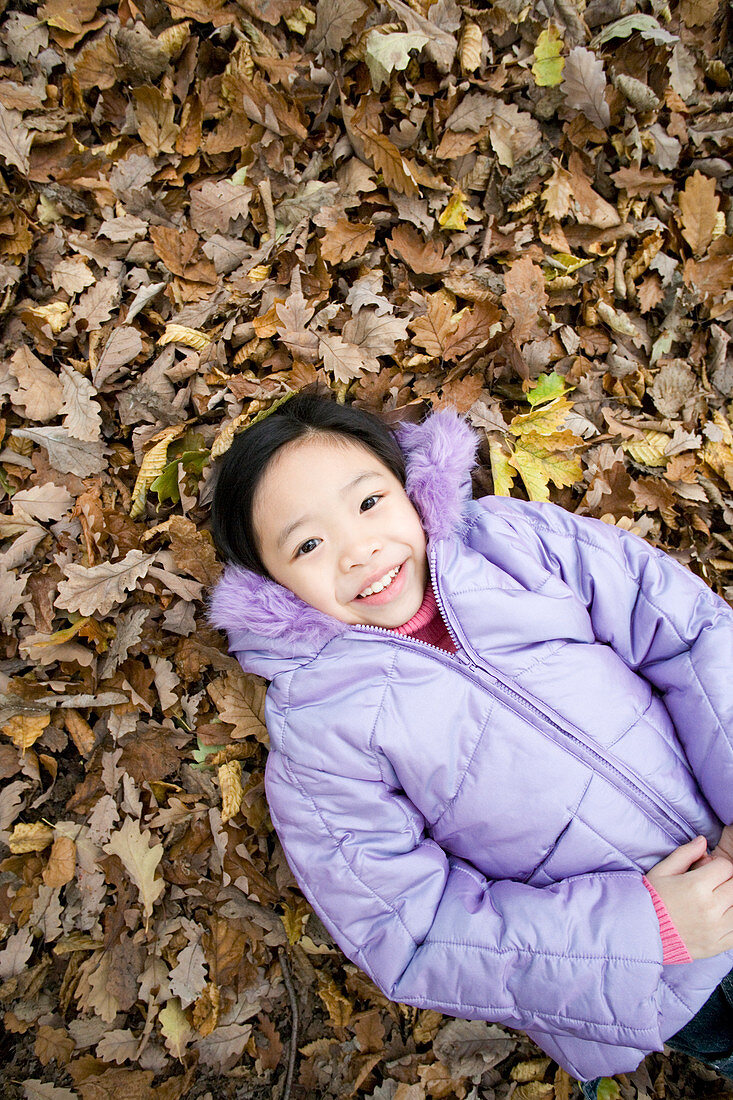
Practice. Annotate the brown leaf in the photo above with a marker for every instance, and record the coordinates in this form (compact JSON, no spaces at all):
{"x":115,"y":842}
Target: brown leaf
{"x":193,"y":551}
{"x":39,"y":391}
{"x":100,"y":587}
{"x":525,"y":296}
{"x":15,"y":139}
{"x":699,"y":208}
{"x":217,"y":207}
{"x":346,"y":239}
{"x":584,"y":84}
{"x":423,"y":257}
{"x":61,"y":863}
{"x":155,"y":120}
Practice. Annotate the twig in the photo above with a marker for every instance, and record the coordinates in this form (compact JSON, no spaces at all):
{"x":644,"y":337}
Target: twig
{"x":282,"y":955}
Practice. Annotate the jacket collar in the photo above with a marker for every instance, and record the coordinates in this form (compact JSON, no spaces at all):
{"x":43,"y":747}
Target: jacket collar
{"x":270,"y":627}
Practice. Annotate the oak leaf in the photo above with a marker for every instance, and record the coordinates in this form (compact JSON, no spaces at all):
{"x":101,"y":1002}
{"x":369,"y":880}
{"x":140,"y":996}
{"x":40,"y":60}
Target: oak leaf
{"x":422,"y":257}
{"x":188,"y":977}
{"x":699,"y":208}
{"x":217,"y":207}
{"x":35,"y":1089}
{"x":524,"y":298}
{"x":155,"y":120}
{"x":99,"y":588}
{"x":140,"y":860}
{"x":82,"y":416}
{"x":15,"y":139}
{"x":39,"y":391}
{"x":46,"y":503}
{"x":346,"y":239}
{"x":386,"y":53}
{"x":61,"y":863}
{"x":343,"y":360}
{"x":175,"y":1027}
{"x":584,"y":85}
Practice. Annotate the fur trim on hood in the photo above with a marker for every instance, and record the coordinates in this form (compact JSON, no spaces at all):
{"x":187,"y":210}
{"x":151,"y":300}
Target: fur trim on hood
{"x":262,"y":618}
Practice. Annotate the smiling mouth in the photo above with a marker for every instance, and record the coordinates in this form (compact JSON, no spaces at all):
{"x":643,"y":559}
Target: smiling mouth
{"x":381,"y":584}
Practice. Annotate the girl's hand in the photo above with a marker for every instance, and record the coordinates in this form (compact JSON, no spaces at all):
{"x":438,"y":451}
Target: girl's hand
{"x":698,"y":895}
{"x":724,"y":846}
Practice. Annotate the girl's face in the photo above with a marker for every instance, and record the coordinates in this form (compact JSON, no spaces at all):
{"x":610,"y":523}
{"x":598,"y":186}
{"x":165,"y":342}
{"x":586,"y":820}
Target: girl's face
{"x":333,"y":521}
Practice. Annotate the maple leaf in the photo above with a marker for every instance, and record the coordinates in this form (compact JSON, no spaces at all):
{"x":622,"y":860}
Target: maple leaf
{"x":538,"y":466}
{"x":140,"y":860}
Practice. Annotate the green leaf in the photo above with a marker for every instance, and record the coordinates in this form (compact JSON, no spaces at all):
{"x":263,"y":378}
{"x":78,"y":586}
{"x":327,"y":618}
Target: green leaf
{"x":203,"y":751}
{"x":193,"y":462}
{"x":9,"y":489}
{"x":387,"y":52}
{"x":646,"y":25}
{"x":547,"y":388}
{"x":608,"y":1089}
{"x":166,"y":483}
{"x":548,"y":65}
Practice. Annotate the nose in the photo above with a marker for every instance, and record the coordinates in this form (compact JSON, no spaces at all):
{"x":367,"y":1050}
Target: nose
{"x":359,"y":552}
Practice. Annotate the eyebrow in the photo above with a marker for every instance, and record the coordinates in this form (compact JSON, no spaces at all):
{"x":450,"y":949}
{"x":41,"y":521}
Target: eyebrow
{"x":287,"y":531}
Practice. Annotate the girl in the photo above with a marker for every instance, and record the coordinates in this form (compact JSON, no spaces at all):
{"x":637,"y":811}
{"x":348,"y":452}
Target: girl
{"x":500,"y":736}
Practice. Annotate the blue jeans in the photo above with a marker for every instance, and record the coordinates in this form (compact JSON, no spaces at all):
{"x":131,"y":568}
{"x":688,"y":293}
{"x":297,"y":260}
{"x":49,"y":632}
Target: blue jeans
{"x":708,"y":1036}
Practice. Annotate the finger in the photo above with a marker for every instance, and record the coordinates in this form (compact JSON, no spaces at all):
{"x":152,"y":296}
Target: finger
{"x":682,"y":858}
{"x":714,"y":872}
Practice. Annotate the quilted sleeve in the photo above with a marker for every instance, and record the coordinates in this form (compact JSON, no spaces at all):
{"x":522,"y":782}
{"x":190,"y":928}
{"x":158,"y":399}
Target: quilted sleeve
{"x":431,"y":931}
{"x":662,"y":620}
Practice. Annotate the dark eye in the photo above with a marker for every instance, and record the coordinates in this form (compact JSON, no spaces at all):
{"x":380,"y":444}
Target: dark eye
{"x":369,"y":506}
{"x":303,"y":549}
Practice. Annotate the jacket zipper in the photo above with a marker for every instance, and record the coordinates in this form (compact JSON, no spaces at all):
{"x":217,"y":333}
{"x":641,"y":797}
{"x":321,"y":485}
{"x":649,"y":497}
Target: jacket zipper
{"x":663,"y":816}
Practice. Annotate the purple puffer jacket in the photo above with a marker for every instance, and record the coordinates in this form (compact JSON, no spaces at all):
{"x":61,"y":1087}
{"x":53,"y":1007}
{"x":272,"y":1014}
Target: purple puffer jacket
{"x":472,"y":828}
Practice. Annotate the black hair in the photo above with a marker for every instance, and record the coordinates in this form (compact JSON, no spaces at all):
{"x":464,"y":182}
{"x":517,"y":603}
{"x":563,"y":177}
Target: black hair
{"x":243,"y":465}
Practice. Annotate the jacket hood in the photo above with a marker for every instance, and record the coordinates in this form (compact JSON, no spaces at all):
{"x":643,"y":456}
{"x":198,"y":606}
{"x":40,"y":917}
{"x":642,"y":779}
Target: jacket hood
{"x":269,"y":627}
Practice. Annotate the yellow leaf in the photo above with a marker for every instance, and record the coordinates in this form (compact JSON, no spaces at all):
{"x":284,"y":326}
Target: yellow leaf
{"x":339,"y":1007}
{"x":189,"y":337}
{"x":151,"y":467}
{"x":230,"y":784}
{"x":648,"y":451}
{"x":56,"y":315}
{"x":30,"y":838}
{"x":538,"y":466}
{"x":206,"y":1010}
{"x":570,"y":263}
{"x":454,"y":215}
{"x":176,"y":1029}
{"x":501,"y":470}
{"x":294,"y":918}
{"x":471,"y":47}
{"x":532,"y":1070}
{"x":548,"y":65}
{"x":543,"y":420}
{"x":25,"y":729}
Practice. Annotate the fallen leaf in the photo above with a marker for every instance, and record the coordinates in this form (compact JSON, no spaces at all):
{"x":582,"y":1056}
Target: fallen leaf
{"x":140,"y":860}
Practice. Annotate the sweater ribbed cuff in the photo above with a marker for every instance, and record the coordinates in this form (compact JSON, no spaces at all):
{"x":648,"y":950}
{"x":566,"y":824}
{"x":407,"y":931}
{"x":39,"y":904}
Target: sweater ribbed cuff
{"x":673,"y":947}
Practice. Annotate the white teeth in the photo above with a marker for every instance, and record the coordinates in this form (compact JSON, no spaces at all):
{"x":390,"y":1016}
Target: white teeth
{"x":382,"y":583}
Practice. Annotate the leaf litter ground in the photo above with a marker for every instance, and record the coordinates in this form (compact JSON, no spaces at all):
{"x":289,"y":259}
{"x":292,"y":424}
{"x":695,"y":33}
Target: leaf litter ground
{"x":520,"y":210}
